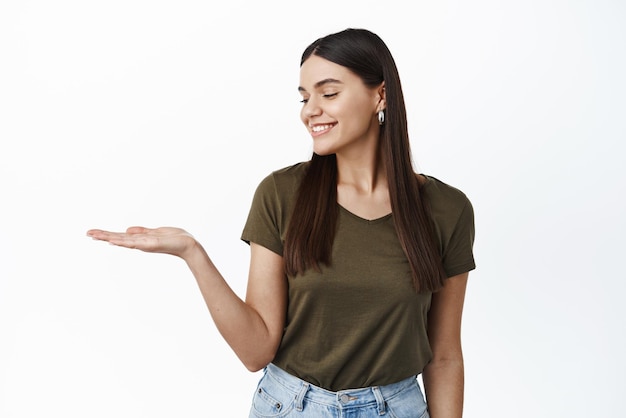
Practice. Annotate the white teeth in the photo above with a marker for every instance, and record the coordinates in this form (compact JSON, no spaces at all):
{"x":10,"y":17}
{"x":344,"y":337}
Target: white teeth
{"x":320,"y":128}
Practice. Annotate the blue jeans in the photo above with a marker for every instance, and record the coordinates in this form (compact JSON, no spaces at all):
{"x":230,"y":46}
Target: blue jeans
{"x":281,"y":395}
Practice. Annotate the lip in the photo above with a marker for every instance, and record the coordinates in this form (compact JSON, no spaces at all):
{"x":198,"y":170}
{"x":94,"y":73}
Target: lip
{"x":321,"y":128}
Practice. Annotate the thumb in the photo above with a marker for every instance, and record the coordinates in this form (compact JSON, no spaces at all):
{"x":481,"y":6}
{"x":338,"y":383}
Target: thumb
{"x":136,"y":230}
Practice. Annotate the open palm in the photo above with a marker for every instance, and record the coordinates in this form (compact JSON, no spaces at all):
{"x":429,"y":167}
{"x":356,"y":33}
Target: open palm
{"x":166,"y":240}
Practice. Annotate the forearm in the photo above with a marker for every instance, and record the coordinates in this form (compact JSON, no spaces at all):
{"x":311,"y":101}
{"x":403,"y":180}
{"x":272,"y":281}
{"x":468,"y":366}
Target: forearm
{"x":444,"y":385}
{"x":241,"y":326}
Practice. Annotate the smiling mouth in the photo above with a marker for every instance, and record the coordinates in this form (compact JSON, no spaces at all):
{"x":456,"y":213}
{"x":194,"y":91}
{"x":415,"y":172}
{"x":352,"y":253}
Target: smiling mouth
{"x":321,"y":128}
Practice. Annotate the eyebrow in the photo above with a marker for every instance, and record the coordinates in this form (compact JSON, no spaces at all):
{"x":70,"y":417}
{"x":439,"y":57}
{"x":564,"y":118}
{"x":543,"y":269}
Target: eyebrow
{"x":322,"y":83}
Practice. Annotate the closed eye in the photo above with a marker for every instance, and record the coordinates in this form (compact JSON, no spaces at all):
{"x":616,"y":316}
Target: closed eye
{"x":326,"y":96}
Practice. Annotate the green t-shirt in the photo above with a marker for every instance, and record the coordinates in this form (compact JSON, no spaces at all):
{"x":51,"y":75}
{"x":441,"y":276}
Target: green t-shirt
{"x":359,"y":322}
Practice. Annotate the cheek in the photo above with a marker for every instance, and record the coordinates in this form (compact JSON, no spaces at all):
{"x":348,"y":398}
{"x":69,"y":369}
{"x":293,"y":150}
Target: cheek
{"x":360,"y":117}
{"x":357,"y":109}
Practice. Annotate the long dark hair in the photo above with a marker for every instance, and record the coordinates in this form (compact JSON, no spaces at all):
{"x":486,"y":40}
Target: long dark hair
{"x":308,"y":242}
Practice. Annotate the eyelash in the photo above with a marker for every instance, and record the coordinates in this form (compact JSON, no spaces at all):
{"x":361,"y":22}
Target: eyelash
{"x":326,"y":96}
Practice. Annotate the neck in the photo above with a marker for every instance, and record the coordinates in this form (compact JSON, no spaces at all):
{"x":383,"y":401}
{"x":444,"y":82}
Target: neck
{"x":364,"y":172}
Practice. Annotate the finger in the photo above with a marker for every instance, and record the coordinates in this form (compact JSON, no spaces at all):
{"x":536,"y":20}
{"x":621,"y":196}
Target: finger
{"x":101,"y":235}
{"x":97,"y":233}
{"x":128,"y":241}
{"x":136,"y":230}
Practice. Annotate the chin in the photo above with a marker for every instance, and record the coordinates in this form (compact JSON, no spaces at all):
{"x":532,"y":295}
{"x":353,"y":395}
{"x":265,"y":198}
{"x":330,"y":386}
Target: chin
{"x":321,"y":150}
{"x":323,"y":153}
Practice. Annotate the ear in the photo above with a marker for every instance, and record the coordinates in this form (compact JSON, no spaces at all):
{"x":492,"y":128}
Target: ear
{"x":381,"y":97}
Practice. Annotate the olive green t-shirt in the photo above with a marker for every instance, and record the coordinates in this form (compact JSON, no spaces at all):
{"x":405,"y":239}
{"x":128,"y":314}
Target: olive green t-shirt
{"x":358,"y":322}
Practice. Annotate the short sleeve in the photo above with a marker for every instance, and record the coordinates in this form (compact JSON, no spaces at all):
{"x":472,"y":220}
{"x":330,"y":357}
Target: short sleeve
{"x":453,"y":226}
{"x":458,"y":254}
{"x":263,"y":224}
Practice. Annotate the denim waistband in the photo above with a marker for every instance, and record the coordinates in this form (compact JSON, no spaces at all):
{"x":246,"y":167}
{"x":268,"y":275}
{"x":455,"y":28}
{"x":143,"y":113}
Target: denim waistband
{"x":344,"y":398}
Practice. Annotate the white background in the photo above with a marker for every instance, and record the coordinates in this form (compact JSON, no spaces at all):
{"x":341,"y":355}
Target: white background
{"x":156,"y":113}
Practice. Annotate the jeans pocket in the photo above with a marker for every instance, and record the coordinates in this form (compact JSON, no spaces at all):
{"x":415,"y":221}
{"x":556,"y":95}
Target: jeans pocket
{"x":408,"y":403}
{"x":271,"y":400}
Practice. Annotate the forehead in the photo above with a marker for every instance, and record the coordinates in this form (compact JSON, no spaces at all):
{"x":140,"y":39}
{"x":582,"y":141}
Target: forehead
{"x":316,"y":69}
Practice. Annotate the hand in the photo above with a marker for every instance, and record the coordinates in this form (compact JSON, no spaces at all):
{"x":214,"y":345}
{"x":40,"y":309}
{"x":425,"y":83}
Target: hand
{"x":167,"y":240}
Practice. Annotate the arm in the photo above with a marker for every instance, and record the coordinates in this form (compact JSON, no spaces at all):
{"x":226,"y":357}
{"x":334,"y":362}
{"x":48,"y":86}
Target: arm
{"x":252,"y":328}
{"x":444,"y":375}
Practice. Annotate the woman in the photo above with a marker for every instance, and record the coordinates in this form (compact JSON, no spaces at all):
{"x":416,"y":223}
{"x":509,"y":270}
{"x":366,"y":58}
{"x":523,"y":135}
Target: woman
{"x":358,"y":265}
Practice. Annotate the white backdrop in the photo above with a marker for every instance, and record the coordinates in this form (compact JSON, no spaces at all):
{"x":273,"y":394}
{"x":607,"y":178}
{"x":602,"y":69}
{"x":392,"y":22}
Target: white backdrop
{"x":169,"y":113}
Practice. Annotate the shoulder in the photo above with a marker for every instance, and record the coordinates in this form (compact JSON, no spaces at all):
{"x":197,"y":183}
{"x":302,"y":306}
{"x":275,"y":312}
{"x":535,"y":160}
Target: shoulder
{"x":436,"y":188}
{"x":283,"y":183}
{"x":445,"y":201}
{"x":290,"y":174}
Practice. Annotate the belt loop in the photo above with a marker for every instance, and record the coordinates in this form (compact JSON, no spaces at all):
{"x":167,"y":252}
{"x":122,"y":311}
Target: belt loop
{"x":300,"y":396}
{"x":382,"y":410}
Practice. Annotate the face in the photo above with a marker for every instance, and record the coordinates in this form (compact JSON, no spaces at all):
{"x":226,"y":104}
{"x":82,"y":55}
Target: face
{"x":338,"y":109}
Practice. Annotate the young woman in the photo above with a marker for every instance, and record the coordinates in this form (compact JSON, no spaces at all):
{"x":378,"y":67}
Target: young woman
{"x":358,"y":264}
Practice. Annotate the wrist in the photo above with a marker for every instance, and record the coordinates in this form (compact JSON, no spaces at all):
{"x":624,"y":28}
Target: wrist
{"x":195,"y":256}
{"x":190,"y":249}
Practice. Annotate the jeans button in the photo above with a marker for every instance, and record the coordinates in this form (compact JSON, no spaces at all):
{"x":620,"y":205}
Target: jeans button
{"x":344,"y":398}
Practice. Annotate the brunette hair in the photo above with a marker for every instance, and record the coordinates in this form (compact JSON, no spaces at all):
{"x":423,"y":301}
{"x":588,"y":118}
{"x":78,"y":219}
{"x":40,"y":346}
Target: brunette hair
{"x":308,"y":242}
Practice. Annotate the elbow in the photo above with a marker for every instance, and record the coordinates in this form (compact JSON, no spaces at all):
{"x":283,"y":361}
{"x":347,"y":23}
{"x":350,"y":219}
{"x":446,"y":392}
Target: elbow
{"x":257,"y":355}
{"x":447,"y":354}
{"x":440,"y":363}
{"x":257,"y":360}
{"x":254,"y":365}
{"x":454,"y":358}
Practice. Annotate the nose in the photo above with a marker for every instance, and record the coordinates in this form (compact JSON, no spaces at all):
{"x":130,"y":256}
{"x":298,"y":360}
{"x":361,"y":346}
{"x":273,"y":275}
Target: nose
{"x":311,"y":109}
